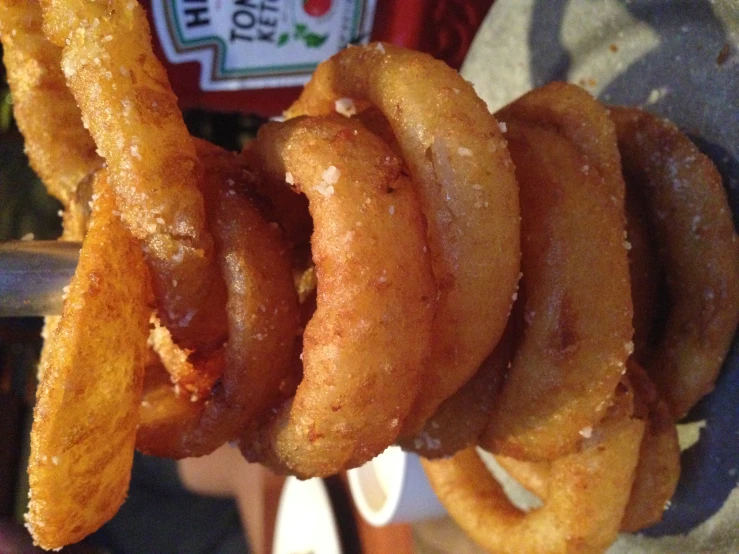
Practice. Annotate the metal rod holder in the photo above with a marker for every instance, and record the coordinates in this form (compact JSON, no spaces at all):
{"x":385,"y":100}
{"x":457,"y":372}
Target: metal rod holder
{"x":33,"y":275}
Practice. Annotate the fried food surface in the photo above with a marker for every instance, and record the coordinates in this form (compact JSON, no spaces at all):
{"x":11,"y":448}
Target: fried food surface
{"x":58,"y":147}
{"x":462,"y":417}
{"x":578,"y":307}
{"x":86,"y":413}
{"x":342,"y":284}
{"x":263,"y":321}
{"x":658,"y":470}
{"x":464,"y":179}
{"x":129,"y":108}
{"x":588,"y":491}
{"x":646,"y":273}
{"x":366,"y":345}
{"x":698,"y":246}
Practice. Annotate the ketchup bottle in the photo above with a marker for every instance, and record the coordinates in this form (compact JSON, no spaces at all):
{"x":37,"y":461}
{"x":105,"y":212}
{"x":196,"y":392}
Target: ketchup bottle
{"x":254,"y":56}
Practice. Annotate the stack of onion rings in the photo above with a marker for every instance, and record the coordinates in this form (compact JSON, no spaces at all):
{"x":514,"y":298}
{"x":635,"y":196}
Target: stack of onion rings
{"x":365,"y":347}
{"x":393,"y":238}
{"x":263,"y":320}
{"x":675,"y":207}
{"x":464,"y":178}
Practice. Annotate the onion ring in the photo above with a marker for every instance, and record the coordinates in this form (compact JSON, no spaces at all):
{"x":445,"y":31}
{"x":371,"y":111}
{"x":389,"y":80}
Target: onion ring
{"x":658,"y":470}
{"x":365,"y":346}
{"x":588,"y":491}
{"x":462,"y":417}
{"x":464,"y":179}
{"x":263,"y":321}
{"x":533,"y":476}
{"x":128,"y":106}
{"x":59,"y":148}
{"x":86,"y":412}
{"x":646,"y":275}
{"x":687,"y":206}
{"x":578,"y":305}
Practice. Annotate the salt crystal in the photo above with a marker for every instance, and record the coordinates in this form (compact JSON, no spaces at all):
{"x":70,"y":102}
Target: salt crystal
{"x":331,"y":175}
{"x":325,"y":190}
{"x":696,"y":222}
{"x":328,"y":178}
{"x":345,"y":106}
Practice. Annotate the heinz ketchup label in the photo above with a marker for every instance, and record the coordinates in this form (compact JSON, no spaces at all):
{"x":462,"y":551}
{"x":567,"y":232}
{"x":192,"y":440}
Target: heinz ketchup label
{"x":253,"y":56}
{"x":254,"y":44}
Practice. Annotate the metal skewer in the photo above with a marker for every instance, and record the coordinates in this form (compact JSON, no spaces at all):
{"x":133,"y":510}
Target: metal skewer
{"x":33,"y":275}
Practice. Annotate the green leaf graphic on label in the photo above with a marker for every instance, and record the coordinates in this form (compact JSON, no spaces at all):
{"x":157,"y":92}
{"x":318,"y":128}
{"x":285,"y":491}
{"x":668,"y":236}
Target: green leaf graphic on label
{"x":312,"y":40}
{"x":302,"y":32}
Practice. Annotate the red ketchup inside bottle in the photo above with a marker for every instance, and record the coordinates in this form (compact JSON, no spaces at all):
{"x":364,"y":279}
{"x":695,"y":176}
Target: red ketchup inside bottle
{"x":253,"y":56}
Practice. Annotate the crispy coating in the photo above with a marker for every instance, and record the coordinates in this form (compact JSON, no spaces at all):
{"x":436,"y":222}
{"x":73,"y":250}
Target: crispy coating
{"x":646,"y":274}
{"x":128,"y":106}
{"x":687,"y":207}
{"x":588,"y":491}
{"x":658,"y":470}
{"x":84,"y":424}
{"x":464,"y":178}
{"x":461,"y":418}
{"x":578,"y":307}
{"x":263,"y":321}
{"x":533,"y":476}
{"x":59,"y":148}
{"x":365,"y":347}
{"x":75,"y":219}
{"x":192,"y":375}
